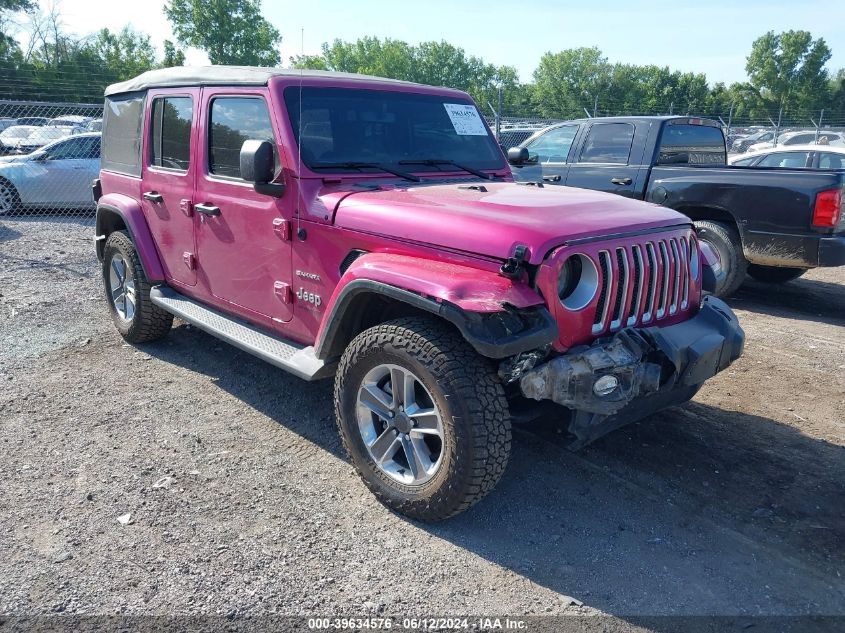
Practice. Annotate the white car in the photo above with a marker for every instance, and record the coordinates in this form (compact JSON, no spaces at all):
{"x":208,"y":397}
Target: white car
{"x":794,"y":156}
{"x":57,"y":176}
{"x":13,"y":135}
{"x":804,"y":137}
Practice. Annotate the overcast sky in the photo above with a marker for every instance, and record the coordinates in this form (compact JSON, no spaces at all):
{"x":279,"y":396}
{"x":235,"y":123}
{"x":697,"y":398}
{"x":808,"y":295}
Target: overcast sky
{"x":710,"y":36}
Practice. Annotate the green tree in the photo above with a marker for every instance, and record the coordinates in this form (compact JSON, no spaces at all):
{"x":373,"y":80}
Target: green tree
{"x":433,"y":63}
{"x":172,"y":56}
{"x":9,"y":49}
{"x":568,"y":81}
{"x":230,"y":31}
{"x":788,"y":70}
{"x":123,"y":54}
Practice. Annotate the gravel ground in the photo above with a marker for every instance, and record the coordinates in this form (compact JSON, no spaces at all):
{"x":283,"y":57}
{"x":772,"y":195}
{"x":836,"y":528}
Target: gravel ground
{"x":240,"y":501}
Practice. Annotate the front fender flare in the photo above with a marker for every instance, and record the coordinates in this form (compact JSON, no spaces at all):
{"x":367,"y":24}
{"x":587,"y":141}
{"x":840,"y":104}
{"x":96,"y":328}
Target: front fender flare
{"x":112,"y":206}
{"x":496,"y":315}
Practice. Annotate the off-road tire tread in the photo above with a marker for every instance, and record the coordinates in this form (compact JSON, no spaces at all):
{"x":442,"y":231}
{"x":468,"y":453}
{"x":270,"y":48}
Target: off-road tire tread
{"x":150,"y":323}
{"x":458,"y":367}
{"x":738,"y":266}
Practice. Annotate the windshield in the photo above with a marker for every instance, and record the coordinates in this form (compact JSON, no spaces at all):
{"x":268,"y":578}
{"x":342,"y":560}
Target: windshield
{"x":16,"y":132}
{"x":350,"y":127}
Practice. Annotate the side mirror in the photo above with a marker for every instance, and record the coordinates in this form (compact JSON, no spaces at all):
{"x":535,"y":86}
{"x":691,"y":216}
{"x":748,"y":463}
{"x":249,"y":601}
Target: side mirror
{"x":518,"y":155}
{"x":258,"y":166}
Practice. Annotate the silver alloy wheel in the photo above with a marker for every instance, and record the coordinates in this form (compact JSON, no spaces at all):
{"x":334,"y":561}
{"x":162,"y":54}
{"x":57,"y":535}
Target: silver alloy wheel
{"x":7,"y":198}
{"x":122,"y":288}
{"x":400,"y":424}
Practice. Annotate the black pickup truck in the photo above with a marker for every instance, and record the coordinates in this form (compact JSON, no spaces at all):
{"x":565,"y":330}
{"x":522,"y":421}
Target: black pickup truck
{"x":770,"y":223}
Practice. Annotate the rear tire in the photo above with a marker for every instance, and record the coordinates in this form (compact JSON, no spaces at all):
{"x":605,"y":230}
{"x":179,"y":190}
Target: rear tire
{"x":128,"y":293}
{"x":774,"y":274}
{"x":725,"y":240}
{"x":457,"y":426}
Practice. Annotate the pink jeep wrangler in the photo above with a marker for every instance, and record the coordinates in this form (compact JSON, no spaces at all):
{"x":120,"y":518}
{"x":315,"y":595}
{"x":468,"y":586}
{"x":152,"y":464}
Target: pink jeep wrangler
{"x":367,"y":229}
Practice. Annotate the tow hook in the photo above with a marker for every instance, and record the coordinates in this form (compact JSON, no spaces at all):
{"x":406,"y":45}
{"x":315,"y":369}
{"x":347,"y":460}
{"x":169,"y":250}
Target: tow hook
{"x":513,"y":265}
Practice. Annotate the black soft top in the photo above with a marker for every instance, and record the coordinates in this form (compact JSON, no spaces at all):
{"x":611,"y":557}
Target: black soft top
{"x":183,"y":76}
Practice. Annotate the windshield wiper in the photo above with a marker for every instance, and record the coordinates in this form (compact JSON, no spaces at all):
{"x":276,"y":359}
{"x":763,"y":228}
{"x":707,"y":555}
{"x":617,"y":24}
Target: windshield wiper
{"x":433,"y":162}
{"x":359,"y":165}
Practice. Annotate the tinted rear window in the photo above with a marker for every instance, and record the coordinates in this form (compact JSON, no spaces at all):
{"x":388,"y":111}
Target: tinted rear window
{"x":691,"y":145}
{"x":122,"y":130}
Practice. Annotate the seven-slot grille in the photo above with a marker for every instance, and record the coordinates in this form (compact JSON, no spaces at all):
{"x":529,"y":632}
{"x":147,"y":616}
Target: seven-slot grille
{"x":643,"y":283}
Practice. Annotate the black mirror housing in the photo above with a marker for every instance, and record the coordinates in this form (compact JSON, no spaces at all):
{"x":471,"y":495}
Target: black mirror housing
{"x":518,"y":155}
{"x":258,"y":164}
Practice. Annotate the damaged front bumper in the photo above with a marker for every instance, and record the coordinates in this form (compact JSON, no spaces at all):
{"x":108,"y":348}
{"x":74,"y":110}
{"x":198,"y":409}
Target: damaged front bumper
{"x":638,"y":371}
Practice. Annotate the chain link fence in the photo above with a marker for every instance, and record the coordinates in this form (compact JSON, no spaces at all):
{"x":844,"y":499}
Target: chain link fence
{"x":49,"y":156}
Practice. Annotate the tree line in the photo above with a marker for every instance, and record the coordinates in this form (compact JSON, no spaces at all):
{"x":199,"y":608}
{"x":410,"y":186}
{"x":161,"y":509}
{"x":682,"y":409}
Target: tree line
{"x":787,"y":72}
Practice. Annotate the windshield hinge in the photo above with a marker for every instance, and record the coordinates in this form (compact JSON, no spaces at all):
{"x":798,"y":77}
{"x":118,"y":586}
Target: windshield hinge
{"x":513,"y":265}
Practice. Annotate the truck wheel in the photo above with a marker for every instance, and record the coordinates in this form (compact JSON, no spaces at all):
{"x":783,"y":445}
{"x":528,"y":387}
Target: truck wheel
{"x":128,"y":293}
{"x":774,"y":274}
{"x":423,"y":417}
{"x":726,"y":242}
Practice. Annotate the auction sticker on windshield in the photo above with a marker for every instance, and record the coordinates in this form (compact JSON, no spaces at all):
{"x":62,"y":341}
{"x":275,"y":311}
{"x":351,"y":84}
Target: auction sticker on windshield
{"x":465,"y":119}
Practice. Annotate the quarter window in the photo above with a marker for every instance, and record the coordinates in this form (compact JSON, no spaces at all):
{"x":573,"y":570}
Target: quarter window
{"x":828,"y":160}
{"x":233,"y":121}
{"x":785,"y":159}
{"x":608,"y":143}
{"x":171,"y":133}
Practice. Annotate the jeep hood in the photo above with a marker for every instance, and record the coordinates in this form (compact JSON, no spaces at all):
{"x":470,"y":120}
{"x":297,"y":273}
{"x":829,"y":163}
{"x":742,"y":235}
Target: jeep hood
{"x":492,"y":218}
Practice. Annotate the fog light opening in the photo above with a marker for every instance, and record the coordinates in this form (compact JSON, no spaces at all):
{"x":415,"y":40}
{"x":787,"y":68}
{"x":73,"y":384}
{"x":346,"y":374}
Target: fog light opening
{"x":605,"y":385}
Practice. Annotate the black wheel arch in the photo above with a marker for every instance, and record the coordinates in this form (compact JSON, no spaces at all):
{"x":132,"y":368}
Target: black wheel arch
{"x":365,"y":303}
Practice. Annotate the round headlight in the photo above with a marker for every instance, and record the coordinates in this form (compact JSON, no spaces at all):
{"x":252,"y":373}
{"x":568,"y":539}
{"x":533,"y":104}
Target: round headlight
{"x":569,"y":277}
{"x":578,"y":282}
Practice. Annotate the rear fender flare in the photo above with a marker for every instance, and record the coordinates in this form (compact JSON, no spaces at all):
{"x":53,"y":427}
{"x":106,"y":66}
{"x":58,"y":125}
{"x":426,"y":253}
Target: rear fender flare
{"x":115,"y":212}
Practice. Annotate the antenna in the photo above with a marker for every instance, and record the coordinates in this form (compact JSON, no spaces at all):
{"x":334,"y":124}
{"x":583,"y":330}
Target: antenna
{"x":299,"y":131}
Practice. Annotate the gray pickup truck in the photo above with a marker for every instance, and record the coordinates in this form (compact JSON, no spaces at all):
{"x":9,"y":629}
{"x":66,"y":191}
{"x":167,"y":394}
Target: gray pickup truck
{"x":773,"y":224}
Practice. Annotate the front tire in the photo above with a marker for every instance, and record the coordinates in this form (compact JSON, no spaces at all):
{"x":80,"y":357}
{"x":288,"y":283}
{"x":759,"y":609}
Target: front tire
{"x":128,"y":293}
{"x":10,"y":200}
{"x":423,"y":417}
{"x":774,"y":274}
{"x":725,"y":240}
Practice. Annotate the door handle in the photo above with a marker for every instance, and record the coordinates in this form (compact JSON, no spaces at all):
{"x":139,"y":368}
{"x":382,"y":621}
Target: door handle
{"x":207,"y":209}
{"x":555,"y":178}
{"x":153,"y":196}
{"x":621,"y":181}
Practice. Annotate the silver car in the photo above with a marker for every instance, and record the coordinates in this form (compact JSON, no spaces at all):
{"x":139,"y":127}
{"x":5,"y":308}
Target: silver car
{"x":57,"y":176}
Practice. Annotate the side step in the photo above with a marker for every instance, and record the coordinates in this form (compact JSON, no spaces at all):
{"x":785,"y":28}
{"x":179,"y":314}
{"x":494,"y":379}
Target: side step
{"x":287,"y":355}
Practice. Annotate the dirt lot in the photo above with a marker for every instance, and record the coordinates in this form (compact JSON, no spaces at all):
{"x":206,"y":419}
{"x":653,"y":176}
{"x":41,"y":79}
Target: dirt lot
{"x":241,"y":501}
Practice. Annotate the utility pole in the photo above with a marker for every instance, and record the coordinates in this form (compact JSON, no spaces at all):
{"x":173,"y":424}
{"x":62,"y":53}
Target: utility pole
{"x":595,"y":105}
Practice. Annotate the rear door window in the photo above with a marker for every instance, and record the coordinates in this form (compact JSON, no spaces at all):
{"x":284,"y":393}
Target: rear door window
{"x":171,"y":133}
{"x":234,"y":120}
{"x":785,"y":159}
{"x":608,"y":143}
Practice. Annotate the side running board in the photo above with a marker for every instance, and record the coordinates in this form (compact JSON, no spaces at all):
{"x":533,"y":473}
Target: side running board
{"x":287,"y":355}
